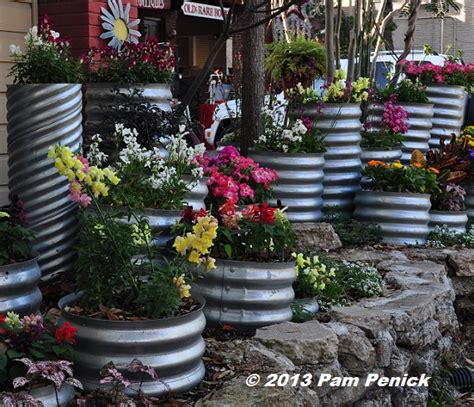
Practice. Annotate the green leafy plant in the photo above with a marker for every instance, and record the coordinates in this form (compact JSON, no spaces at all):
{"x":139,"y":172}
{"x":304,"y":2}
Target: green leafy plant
{"x":46,"y":59}
{"x":444,"y":237}
{"x":312,"y":276}
{"x":406,"y":91}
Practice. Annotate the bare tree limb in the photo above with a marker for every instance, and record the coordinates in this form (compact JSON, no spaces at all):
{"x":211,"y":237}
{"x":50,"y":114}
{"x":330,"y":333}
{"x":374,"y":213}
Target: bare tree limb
{"x":329,"y":39}
{"x":337,"y":35}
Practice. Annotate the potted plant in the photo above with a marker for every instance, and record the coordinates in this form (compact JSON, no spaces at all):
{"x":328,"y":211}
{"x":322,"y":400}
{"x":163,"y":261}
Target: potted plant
{"x":44,"y":106}
{"x":398,"y":200}
{"x":411,"y":96}
{"x":19,"y":269}
{"x":129,"y":305}
{"x":297,"y":60}
{"x":147,"y":66}
{"x":295,"y":150}
{"x":158,"y":182}
{"x":447,"y":88}
{"x":35,"y":361}
{"x":252,"y":283}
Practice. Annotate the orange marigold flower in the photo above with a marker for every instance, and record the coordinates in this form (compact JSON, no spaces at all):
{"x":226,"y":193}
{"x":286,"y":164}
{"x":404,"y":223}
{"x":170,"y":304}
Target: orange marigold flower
{"x":417,"y":165}
{"x":433,"y":170}
{"x":375,"y":163}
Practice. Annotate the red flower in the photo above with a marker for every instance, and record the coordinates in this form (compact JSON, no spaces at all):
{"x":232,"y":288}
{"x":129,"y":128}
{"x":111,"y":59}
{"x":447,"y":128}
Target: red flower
{"x":201,"y":213}
{"x":267,"y":213}
{"x":2,"y":318}
{"x":188,"y":215}
{"x":228,"y":208}
{"x":65,"y":333}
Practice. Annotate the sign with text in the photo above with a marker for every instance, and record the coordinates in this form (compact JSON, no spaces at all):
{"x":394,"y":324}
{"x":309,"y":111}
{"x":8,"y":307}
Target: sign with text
{"x":203,"y":10}
{"x":155,"y":4}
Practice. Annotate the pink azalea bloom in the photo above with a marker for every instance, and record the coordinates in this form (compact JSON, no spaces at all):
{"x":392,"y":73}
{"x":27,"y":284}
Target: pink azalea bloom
{"x":85,"y":200}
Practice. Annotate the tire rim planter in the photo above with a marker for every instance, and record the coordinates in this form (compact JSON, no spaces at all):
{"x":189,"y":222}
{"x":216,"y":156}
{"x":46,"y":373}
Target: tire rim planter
{"x":19,"y":290}
{"x":47,"y":395}
{"x":387,"y":155}
{"x":455,"y":220}
{"x":172,"y":346}
{"x":196,"y":196}
{"x":309,"y":305}
{"x":449,"y":108}
{"x":419,"y":122}
{"x":99,"y":95}
{"x":402,"y":217}
{"x":39,"y":116}
{"x":299,"y":185}
{"x":246,"y":294}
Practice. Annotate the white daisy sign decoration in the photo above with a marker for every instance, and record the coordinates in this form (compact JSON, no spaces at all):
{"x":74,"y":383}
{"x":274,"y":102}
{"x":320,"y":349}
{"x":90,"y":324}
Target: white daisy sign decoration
{"x":117,"y":24}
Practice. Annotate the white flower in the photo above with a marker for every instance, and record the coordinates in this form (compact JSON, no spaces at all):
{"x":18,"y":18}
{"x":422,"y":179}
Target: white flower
{"x":15,"y":50}
{"x":54,"y":34}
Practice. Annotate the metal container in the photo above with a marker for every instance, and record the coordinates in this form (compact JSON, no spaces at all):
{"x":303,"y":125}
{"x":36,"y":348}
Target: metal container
{"x":419,"y":122}
{"x":172,"y":346}
{"x":19,"y":290}
{"x":299,"y":185}
{"x":196,"y":196}
{"x":387,"y":155}
{"x":100,"y":95}
{"x":402,"y":217}
{"x":47,"y":395}
{"x":40,"y":116}
{"x":455,"y":221}
{"x":449,"y":109}
{"x":308,"y":305}
{"x":341,"y":126}
{"x":469,"y":201}
{"x":246,"y":294}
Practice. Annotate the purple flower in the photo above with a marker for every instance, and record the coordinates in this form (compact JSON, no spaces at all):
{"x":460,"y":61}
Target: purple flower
{"x":307,"y":123}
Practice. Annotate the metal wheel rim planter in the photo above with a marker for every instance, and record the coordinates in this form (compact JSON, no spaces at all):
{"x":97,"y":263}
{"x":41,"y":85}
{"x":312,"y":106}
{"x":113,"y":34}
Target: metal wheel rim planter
{"x":448,"y":113}
{"x":455,"y":221}
{"x":419,"y":121}
{"x":387,"y":155}
{"x":402,"y":217}
{"x":341,"y":126}
{"x":248,"y":295}
{"x":40,"y":116}
{"x":299,"y":185}
{"x":19,"y":290}
{"x":172,"y":346}
{"x":47,"y":395}
{"x":196,"y":196}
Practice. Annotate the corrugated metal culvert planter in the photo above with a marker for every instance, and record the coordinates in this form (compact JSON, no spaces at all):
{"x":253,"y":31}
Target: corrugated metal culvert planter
{"x":246,"y":294}
{"x":47,"y":395}
{"x":172,"y":346}
{"x":387,"y":155}
{"x":455,"y":221}
{"x":299,"y":185}
{"x":309,"y":305}
{"x":419,"y":122}
{"x":402,"y":217}
{"x":196,"y":196}
{"x":449,"y":108}
{"x":100,"y":95}
{"x":19,"y":290}
{"x":40,"y":116}
{"x":469,"y":201}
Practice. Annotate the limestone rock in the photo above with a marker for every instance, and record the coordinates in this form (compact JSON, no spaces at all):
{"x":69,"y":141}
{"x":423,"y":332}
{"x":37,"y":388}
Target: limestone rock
{"x":308,"y":343}
{"x":371,"y":257}
{"x":399,"y":364}
{"x":406,"y":274}
{"x":462,"y":263}
{"x":257,"y":354}
{"x":314,"y":236}
{"x":463,"y":285}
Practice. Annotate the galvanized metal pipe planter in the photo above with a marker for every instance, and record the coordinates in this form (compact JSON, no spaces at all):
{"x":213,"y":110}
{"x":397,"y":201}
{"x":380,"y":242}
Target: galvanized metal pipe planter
{"x":419,"y":122}
{"x":299,"y":185}
{"x":98,"y":96}
{"x":449,"y":109}
{"x":47,"y":395}
{"x":40,"y":116}
{"x":387,"y":155}
{"x":196,"y":196}
{"x":309,"y":305}
{"x":455,"y":221}
{"x":402,"y":217}
{"x":246,"y":294}
{"x":172,"y":346}
{"x":19,"y":290}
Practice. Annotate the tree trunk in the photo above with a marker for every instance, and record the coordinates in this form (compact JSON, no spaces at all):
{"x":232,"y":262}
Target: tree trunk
{"x":337,"y":34}
{"x":388,"y":34}
{"x":329,"y":39}
{"x":353,"y":43}
{"x":253,"y":81}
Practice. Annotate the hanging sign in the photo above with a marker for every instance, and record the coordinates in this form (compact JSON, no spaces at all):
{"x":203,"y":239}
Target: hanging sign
{"x":155,"y":4}
{"x":203,"y":10}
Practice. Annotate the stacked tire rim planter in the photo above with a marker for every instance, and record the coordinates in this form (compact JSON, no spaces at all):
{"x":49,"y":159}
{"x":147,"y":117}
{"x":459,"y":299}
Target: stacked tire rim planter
{"x":248,"y":295}
{"x":172,"y":346}
{"x":449,"y":103}
{"x":19,"y":290}
{"x":40,"y":116}
{"x":47,"y":395}
{"x":454,"y":220}
{"x":402,"y":217}
{"x":419,"y":122}
{"x":340,"y":124}
{"x":299,"y":185}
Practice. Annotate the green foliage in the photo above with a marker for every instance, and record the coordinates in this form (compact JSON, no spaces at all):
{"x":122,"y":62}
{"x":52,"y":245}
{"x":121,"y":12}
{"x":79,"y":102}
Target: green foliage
{"x":15,"y":240}
{"x":406,"y":91}
{"x":312,"y":276}
{"x":443,"y":237}
{"x":381,"y":139}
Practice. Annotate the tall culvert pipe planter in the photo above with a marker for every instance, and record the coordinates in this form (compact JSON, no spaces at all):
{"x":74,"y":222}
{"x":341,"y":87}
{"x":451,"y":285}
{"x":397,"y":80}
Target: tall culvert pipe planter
{"x":387,"y":155}
{"x":449,"y":103}
{"x":172,"y":346}
{"x":299,"y":185}
{"x":455,"y":221}
{"x":51,"y":398}
{"x":19,"y":290}
{"x":246,"y":294}
{"x":419,"y":121}
{"x":402,"y":217}
{"x":98,"y":96}
{"x":39,"y":116}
